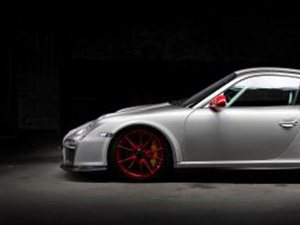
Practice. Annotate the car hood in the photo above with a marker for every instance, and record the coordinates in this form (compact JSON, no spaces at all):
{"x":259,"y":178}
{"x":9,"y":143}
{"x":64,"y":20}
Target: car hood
{"x":151,"y":108}
{"x":129,"y":111}
{"x":143,"y":107}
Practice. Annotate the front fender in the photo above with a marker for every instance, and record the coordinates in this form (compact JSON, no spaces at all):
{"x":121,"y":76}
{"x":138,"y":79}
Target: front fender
{"x":176,"y":147}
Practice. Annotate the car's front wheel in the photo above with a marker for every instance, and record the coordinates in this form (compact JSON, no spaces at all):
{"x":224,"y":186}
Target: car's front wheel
{"x":140,"y":154}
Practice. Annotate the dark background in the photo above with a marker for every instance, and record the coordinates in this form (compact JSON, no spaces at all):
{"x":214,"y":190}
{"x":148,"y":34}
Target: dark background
{"x":64,"y":67}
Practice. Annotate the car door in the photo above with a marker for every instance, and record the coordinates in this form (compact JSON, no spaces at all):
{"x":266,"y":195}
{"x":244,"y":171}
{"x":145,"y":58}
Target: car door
{"x":258,"y":123}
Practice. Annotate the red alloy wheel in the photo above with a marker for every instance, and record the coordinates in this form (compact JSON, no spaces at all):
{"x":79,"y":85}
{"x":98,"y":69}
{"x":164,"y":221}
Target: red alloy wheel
{"x":140,"y":154}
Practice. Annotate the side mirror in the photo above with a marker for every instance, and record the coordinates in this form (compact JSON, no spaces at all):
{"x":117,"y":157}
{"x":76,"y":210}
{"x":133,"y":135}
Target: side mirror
{"x":218,"y":102}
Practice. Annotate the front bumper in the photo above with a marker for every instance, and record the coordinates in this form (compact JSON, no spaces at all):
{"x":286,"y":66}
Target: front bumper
{"x":89,"y":153}
{"x":68,"y":163}
{"x":70,"y":168}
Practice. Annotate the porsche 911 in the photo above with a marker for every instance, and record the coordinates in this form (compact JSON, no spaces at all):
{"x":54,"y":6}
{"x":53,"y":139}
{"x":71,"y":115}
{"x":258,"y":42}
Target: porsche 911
{"x":247,"y":120}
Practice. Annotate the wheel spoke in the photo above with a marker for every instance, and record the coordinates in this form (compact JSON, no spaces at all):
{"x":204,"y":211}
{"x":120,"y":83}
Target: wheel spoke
{"x":140,"y":137}
{"x":123,"y":147}
{"x":131,"y":164}
{"x":148,"y":166}
{"x":141,"y":168}
{"x":147,"y":142}
{"x":156,"y":150}
{"x":127,"y":159}
{"x":130,"y":142}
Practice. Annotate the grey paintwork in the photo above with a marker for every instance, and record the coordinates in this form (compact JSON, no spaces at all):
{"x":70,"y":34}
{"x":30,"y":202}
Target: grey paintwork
{"x":200,"y":137}
{"x":244,"y":133}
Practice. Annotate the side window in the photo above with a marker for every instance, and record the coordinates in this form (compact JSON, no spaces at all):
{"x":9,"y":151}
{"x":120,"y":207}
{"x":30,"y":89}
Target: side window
{"x":263,"y":91}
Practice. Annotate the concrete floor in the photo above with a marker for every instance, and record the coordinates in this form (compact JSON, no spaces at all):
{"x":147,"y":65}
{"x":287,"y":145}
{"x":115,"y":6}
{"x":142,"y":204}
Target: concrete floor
{"x":34,"y":190}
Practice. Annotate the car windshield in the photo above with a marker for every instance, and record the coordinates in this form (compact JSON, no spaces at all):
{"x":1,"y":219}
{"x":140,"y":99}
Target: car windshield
{"x":195,"y":99}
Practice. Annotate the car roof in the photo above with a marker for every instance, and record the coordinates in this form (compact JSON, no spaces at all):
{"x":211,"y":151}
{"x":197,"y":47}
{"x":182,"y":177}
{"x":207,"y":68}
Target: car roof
{"x":266,"y":70}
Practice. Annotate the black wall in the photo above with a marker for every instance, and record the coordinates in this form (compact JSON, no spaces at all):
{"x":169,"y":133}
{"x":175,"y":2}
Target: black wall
{"x":66,"y":68}
{"x":91,"y":87}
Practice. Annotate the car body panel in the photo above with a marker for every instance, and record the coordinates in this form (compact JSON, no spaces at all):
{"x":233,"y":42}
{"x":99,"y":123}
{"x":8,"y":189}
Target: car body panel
{"x":244,"y":133}
{"x":235,"y":138}
{"x":167,"y":119}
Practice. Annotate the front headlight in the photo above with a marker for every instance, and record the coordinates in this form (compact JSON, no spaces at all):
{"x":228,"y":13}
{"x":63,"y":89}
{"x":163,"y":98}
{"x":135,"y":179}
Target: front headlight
{"x":80,"y":134}
{"x":71,"y":140}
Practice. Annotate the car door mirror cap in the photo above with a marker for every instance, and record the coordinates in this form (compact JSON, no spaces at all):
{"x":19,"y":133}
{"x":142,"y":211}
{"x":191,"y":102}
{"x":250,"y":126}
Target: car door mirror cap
{"x":218,"y":103}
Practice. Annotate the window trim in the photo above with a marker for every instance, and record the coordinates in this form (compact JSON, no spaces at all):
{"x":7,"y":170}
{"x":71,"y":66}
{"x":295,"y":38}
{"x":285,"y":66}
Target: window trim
{"x":243,"y":91}
{"x":205,"y":102}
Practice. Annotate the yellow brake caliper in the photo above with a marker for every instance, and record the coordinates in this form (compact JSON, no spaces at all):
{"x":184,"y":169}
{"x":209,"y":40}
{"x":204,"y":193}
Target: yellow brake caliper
{"x":154,"y":150}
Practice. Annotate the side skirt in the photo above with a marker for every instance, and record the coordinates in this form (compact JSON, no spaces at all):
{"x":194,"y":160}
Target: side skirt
{"x":265,"y":164}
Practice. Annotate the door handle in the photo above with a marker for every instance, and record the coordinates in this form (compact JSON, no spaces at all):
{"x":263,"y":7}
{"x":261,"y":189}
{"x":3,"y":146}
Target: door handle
{"x":288,"y":124}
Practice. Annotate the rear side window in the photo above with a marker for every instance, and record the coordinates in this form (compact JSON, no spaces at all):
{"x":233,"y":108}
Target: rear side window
{"x":263,"y":91}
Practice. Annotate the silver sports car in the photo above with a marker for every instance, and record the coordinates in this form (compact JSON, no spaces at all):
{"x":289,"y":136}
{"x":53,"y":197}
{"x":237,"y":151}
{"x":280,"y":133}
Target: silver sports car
{"x":247,"y":120}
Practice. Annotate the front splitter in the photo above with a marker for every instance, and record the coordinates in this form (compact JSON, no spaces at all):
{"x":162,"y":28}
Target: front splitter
{"x":70,"y":168}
